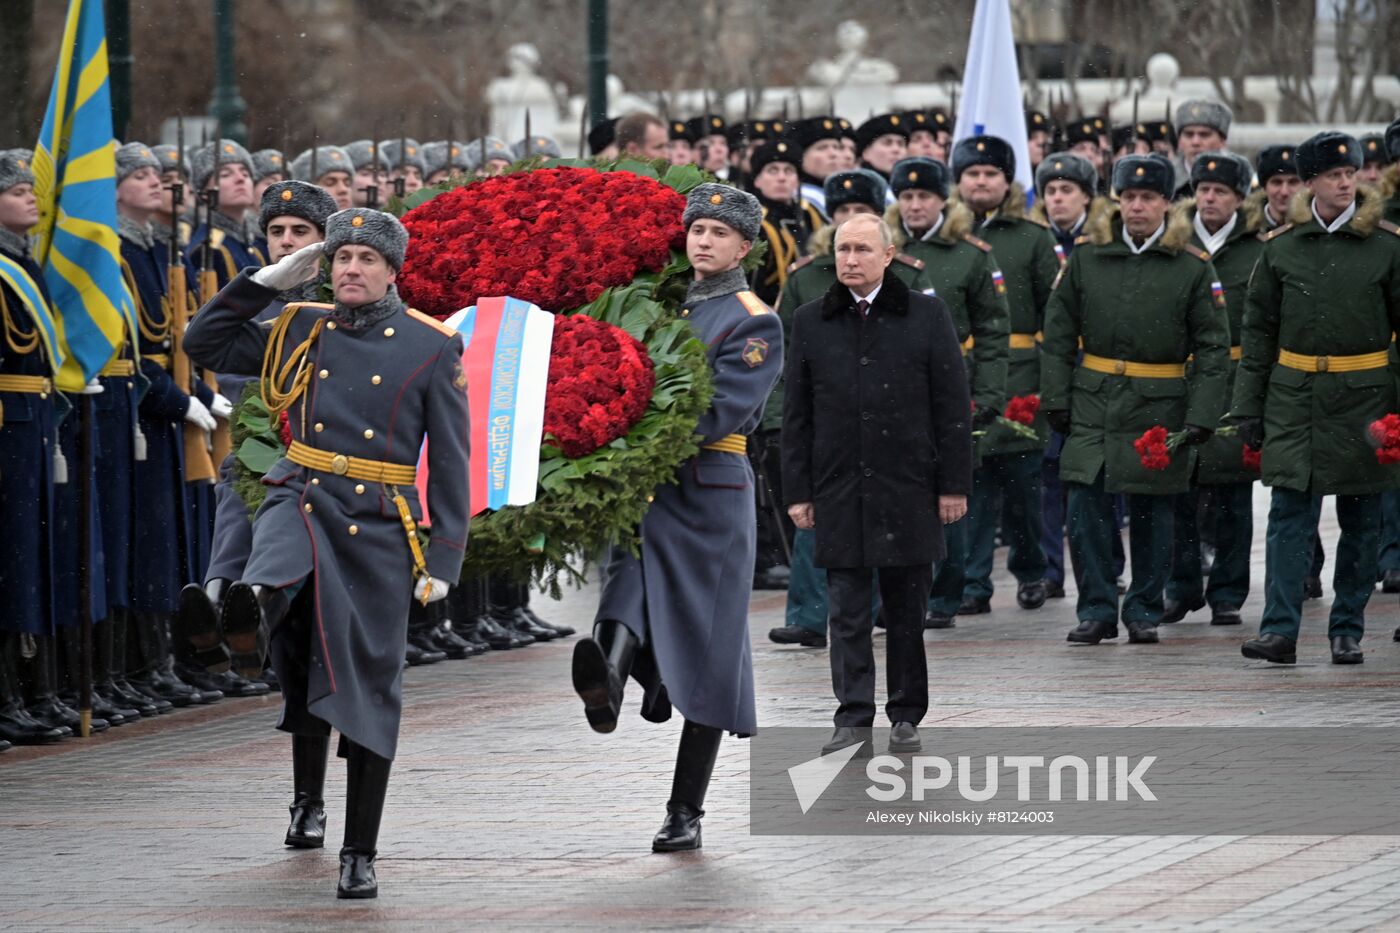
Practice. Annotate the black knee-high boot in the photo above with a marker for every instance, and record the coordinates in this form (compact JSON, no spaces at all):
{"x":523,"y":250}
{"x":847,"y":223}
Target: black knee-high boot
{"x":695,"y":762}
{"x":44,"y":704}
{"x":600,"y":668}
{"x":308,"y":826}
{"x":69,"y":647}
{"x":496,"y":635}
{"x":368,"y":781}
{"x":197,"y":624}
{"x":16,"y":725}
{"x":523,"y":598}
{"x":121,"y":664}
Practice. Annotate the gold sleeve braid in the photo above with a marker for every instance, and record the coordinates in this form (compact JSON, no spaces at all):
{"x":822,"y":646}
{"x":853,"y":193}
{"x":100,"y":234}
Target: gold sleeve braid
{"x":17,"y":339}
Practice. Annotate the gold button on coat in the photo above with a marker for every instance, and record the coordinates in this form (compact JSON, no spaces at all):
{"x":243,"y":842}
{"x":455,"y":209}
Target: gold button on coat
{"x":375,"y":380}
{"x":388,"y":332}
{"x":359,"y":489}
{"x":319,"y":427}
{"x":307,"y":507}
{"x":324,"y":373}
{"x":369,"y":433}
{"x":354,"y":529}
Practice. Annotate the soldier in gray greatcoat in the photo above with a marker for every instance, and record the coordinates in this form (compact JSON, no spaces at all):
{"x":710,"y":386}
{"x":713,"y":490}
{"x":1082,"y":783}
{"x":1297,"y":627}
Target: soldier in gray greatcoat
{"x":335,"y":556}
{"x":676,"y":616}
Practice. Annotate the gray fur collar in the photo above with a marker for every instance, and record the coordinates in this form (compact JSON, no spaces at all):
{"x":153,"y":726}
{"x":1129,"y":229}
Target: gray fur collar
{"x":243,"y":231}
{"x":16,"y":244}
{"x":366,"y":316}
{"x":717,"y":286}
{"x":141,"y":234}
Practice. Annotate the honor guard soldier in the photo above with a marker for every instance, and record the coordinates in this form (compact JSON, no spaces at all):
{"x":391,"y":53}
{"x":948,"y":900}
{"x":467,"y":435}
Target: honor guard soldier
{"x":231,"y":225}
{"x":922,"y":139}
{"x":537,"y":147}
{"x":711,"y":143}
{"x":1222,"y":490}
{"x":269,"y":167}
{"x":1142,"y":300}
{"x":371,"y":171}
{"x":1277,"y":171}
{"x":336,"y":557}
{"x":1082,"y":139}
{"x":676,"y":616}
{"x":1373,"y":159}
{"x":820,"y":141}
{"x":1040,"y":135}
{"x":164,"y":223}
{"x":1323,"y":306}
{"x":680,"y":145}
{"x":881,"y":142}
{"x":1201,"y":126}
{"x":405,"y":158}
{"x":489,"y":156}
{"x":326,"y":167}
{"x":1009,"y":467}
{"x":443,"y":159}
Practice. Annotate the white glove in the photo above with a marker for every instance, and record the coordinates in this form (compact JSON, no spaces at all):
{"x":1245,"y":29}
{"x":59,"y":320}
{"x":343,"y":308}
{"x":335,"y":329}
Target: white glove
{"x":436,"y":589}
{"x":292,"y":269}
{"x":221,"y":407}
{"x":199,"y":416}
{"x":93,"y":388}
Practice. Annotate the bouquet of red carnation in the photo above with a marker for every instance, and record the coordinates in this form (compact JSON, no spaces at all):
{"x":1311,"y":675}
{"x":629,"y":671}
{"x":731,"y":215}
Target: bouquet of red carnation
{"x":1018,"y":417}
{"x":1252,"y":459}
{"x":600,"y":381}
{"x":1154,"y":448}
{"x":1385,"y":434}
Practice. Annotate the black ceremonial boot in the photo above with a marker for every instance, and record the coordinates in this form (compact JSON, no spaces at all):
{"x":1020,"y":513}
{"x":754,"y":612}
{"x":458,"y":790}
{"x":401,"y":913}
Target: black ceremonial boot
{"x":600,"y":669}
{"x":695,"y":762}
{"x":364,"y":805}
{"x":16,"y":725}
{"x":197,"y":624}
{"x":250,"y":613}
{"x":308,"y":826}
{"x":562,"y":631}
{"x":44,"y":704}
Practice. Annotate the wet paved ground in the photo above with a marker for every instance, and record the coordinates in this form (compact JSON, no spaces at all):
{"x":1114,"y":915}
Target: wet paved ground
{"x":505,"y":811}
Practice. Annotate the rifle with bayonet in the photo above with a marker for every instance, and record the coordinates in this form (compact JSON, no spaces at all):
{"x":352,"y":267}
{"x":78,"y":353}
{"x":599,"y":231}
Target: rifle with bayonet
{"x":199,"y":467}
{"x":222,"y":439}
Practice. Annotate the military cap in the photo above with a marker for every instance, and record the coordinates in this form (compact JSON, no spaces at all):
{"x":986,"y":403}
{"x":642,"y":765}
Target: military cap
{"x":363,"y":226}
{"x":922,"y":173}
{"x":328,"y":159}
{"x":858,"y":186}
{"x":1145,"y":171}
{"x":537,"y":146}
{"x":268,"y":162}
{"x":16,"y":168}
{"x":730,"y":206}
{"x":441,"y":154}
{"x":1079,"y":131}
{"x":778,"y":150}
{"x":1160,"y":131}
{"x":1325,"y":151}
{"x":941,"y":119}
{"x":847,"y":130}
{"x":807,"y":133}
{"x":1100,"y":124}
{"x":677,"y":131}
{"x":202,"y":161}
{"x":1123,"y":134}
{"x":295,"y":199}
{"x":361,"y":153}
{"x":918,"y":121}
{"x":1373,"y":148}
{"x":168,"y":157}
{"x":1276,"y":160}
{"x":739,"y":135}
{"x":483,"y":150}
{"x":1392,"y":140}
{"x":886,"y":124}
{"x":708,"y":124}
{"x":1224,"y":168}
{"x":1066,"y":166}
{"x":984,"y":150}
{"x":133,"y":157}
{"x":1209,"y":113}
{"x":601,"y":136}
{"x":1037,"y":122}
{"x":410,"y":157}
{"x":757,"y":131}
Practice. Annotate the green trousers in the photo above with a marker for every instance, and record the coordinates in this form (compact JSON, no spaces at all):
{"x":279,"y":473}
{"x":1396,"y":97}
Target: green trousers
{"x":1288,"y":555}
{"x":1091,"y":530}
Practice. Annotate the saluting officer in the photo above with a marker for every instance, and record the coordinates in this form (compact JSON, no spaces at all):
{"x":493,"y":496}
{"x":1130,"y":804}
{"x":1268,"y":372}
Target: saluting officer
{"x":1142,"y":300}
{"x":335,"y":555}
{"x":1323,"y":305}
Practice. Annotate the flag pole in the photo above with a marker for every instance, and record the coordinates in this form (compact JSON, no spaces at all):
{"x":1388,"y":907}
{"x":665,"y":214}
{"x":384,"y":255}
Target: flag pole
{"x":86,"y":475}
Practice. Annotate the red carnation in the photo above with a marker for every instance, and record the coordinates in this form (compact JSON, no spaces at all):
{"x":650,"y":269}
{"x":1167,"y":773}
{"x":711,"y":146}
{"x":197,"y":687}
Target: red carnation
{"x":284,"y":429}
{"x":1022,"y":409}
{"x":1385,"y":434}
{"x":1152,"y":448}
{"x":1252,"y":459}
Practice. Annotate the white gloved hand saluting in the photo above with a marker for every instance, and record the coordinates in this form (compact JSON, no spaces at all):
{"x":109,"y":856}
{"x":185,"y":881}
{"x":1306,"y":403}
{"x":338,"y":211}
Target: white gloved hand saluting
{"x":436,"y":589}
{"x":199,"y":416}
{"x":292,"y":269}
{"x":221,"y":407}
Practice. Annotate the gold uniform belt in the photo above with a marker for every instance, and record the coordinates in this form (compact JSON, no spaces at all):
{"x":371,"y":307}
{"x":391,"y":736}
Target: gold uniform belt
{"x":119,"y":368}
{"x":1102,"y":364}
{"x":1334,"y":364}
{"x":1022,"y":341}
{"x":374,"y":471}
{"x":29,"y":385}
{"x":730,"y":444}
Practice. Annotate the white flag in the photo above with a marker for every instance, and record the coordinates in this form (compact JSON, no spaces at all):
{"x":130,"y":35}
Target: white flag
{"x":990,"y":104}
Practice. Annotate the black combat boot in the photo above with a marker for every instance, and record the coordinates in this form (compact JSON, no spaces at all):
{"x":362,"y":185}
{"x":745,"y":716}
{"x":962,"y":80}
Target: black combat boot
{"x":121,"y":663}
{"x":44,"y":704}
{"x":368,"y":781}
{"x":70,"y":651}
{"x":149,"y":675}
{"x":443,"y":638}
{"x":420,"y":649}
{"x":695,"y":762}
{"x":505,"y":608}
{"x":600,"y":669}
{"x":250,"y":613}
{"x":308,"y":826}
{"x":16,"y":725}
{"x":103,"y":662}
{"x":197,"y":625}
{"x":495,"y":635}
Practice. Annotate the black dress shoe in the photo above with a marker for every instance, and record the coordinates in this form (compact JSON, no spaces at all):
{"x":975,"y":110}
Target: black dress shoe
{"x":54,"y":712}
{"x":307,"y":829}
{"x":451,"y":644}
{"x":561,"y":631}
{"x":468,"y":633}
{"x":1312,"y":588}
{"x":972,"y":606}
{"x":500,"y":639}
{"x":20,"y":728}
{"x":114,"y":699}
{"x":1390,"y":582}
{"x":1141,"y":633}
{"x":1089,"y":632}
{"x":1174,"y":610}
{"x":1031,"y":595}
{"x":797,"y":635}
{"x":938,"y":620}
{"x":417,"y":655}
{"x":1346,"y":650}
{"x":1276,"y":648}
{"x":197,"y":623}
{"x":101,"y":709}
{"x":1224,"y":615}
{"x":232,"y":685}
{"x":516,"y":620}
{"x":598,"y":683}
{"x":846,"y":736}
{"x":904,"y":737}
{"x":1054,"y":589}
{"x":144,"y":704}
{"x":249,"y":614}
{"x":357,"y":880}
{"x":681,"y":830}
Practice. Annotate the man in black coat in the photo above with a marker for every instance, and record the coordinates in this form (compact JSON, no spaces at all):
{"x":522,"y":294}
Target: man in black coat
{"x":877,"y":457}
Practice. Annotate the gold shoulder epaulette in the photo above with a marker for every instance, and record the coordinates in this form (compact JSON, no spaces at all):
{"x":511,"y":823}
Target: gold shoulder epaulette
{"x":978,"y":242}
{"x":800,"y":263}
{"x":1081,"y":239}
{"x":909,"y":260}
{"x":1389,"y":227}
{"x":432,"y":322}
{"x":1196,"y":251}
{"x":752,"y":303}
{"x":1277,"y":231}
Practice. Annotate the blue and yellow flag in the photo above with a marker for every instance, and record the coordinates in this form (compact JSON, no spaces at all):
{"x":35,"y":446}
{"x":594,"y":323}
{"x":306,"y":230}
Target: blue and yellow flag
{"x":75,"y":179}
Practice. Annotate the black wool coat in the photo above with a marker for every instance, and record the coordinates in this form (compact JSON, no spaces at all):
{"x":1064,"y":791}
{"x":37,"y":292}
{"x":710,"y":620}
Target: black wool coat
{"x":876,"y":425}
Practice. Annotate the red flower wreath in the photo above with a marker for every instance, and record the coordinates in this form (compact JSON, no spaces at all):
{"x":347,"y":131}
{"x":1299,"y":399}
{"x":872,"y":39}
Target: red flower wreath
{"x":556,"y":237}
{"x":600,"y":382}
